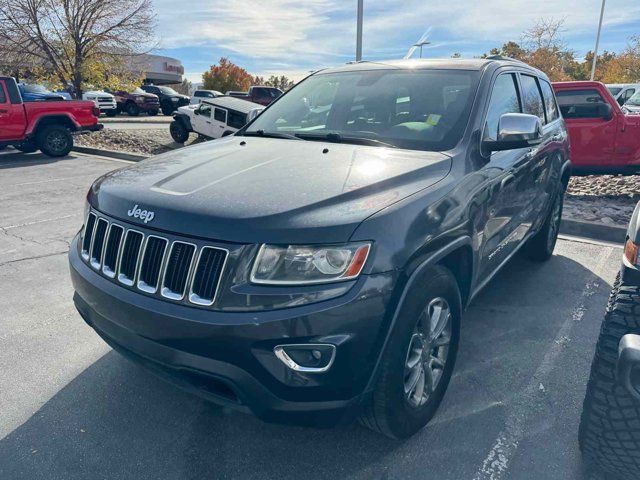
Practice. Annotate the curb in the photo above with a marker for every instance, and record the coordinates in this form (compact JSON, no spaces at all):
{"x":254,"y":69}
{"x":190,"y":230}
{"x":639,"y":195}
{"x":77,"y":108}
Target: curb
{"x":132,"y":157}
{"x":594,"y":231}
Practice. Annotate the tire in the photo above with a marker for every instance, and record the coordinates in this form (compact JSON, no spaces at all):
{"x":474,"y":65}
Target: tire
{"x":178,"y":132}
{"x":26,"y":147}
{"x":394,"y":409}
{"x":2,"y":147}
{"x":111,"y":113}
{"x":152,"y":113}
{"x":609,"y":432}
{"x":540,"y":247}
{"x":55,"y":140}
{"x":132,"y":109}
{"x":167,"y":108}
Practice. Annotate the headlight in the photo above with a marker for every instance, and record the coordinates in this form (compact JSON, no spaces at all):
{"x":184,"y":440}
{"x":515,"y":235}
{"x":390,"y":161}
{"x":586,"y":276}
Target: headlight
{"x":139,"y":99}
{"x":295,"y":264}
{"x":174,"y":99}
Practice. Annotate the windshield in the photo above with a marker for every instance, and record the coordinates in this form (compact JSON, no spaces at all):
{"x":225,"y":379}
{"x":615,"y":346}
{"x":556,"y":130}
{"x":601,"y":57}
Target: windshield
{"x":413,"y":109}
{"x":634,"y":100}
{"x":168,"y":91}
{"x":614,"y":90}
{"x":35,"y":89}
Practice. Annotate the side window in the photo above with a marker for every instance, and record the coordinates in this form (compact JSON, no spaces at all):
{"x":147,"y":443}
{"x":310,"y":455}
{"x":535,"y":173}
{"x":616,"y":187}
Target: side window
{"x":628,"y":94}
{"x":531,"y":98}
{"x":205,"y":110}
{"x":237,"y":119}
{"x":3,"y":96}
{"x":504,"y":99}
{"x":550,"y":105}
{"x":580,"y":103}
{"x":220,"y":115}
{"x":198,"y":93}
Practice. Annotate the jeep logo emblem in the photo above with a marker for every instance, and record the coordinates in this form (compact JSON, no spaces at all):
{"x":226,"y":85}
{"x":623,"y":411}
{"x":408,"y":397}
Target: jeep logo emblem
{"x":145,"y":215}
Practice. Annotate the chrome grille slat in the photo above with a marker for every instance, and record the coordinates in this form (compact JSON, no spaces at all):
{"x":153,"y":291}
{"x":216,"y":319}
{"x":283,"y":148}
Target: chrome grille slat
{"x":112,"y":250}
{"x":87,"y":236}
{"x":97,"y":243}
{"x":130,"y":257}
{"x":154,"y":264}
{"x":151,"y":264}
{"x":177,"y":270}
{"x":207,"y":275}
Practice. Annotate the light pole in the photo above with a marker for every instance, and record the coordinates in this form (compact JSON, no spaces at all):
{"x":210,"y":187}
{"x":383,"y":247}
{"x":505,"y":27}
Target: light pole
{"x":595,"y":53}
{"x":421,"y":44}
{"x":359,"y":31}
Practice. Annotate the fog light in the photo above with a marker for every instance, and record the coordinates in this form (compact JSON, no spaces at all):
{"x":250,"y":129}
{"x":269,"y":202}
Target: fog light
{"x":309,"y":358}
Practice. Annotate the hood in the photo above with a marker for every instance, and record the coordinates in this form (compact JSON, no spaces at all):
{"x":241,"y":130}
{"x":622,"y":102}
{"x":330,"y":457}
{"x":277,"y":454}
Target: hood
{"x":267,"y":190}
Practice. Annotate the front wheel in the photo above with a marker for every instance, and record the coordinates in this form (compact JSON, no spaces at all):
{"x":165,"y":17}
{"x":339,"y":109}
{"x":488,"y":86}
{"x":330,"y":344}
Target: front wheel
{"x":178,"y":132}
{"x":152,"y":113}
{"x":55,"y":140}
{"x":111,"y":113}
{"x":132,"y":109}
{"x":419,"y":358}
{"x":167,"y":108}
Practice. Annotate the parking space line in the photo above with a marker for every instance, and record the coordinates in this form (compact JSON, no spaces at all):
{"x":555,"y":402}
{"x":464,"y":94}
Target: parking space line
{"x":527,"y":403}
{"x":9,"y":227}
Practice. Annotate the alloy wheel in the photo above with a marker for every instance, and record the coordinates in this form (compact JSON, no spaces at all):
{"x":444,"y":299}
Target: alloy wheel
{"x":427,"y":353}
{"x":556,"y":218}
{"x":56,"y":141}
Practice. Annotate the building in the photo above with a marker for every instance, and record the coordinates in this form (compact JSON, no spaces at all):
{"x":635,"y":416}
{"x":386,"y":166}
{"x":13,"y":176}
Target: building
{"x":159,"y":70}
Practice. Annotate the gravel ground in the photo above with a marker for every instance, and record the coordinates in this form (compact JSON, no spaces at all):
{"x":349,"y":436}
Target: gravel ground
{"x":604,"y":199}
{"x":147,"y":141}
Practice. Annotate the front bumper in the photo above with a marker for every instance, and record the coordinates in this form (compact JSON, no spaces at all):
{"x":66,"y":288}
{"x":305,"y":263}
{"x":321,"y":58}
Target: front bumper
{"x":228,"y":357}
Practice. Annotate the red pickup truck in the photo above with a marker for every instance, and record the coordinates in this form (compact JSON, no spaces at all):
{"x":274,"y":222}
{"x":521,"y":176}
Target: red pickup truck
{"x":258,"y":94}
{"x":45,"y":126}
{"x":603,"y":138}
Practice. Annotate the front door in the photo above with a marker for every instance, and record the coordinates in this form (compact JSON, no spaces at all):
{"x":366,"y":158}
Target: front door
{"x":201,"y":121}
{"x":582,"y":112}
{"x":12,"y":117}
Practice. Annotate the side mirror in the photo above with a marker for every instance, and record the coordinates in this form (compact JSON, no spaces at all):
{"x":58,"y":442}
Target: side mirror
{"x":605,"y":111}
{"x":516,"y":130}
{"x":196,"y":111}
{"x":628,"y":365}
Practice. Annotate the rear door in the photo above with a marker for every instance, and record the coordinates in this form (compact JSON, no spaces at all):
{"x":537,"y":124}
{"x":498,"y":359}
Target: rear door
{"x":592,"y":137}
{"x":219,"y":124}
{"x":13,"y":119}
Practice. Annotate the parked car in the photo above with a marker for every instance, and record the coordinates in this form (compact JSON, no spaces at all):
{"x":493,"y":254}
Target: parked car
{"x":199,"y":95}
{"x":258,"y":94}
{"x":105,"y":101}
{"x":314,"y":268}
{"x":213,"y":118}
{"x":611,"y":412}
{"x":137,"y":101}
{"x":45,"y":126}
{"x":622,"y":92}
{"x":37,"y":93}
{"x":170,"y":100}
{"x":603,"y":138}
{"x":633,"y":104}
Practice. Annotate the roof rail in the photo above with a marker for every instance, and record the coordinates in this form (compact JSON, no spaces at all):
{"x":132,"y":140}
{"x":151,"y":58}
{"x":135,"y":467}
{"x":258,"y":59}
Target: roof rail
{"x":504,"y":58}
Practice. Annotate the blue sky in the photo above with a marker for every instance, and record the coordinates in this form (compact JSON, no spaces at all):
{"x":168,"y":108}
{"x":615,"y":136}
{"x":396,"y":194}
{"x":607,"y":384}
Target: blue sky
{"x":293,"y":37}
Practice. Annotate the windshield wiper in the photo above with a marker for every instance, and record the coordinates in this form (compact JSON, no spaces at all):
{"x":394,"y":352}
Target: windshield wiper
{"x":338,"y":138}
{"x":262,"y":133}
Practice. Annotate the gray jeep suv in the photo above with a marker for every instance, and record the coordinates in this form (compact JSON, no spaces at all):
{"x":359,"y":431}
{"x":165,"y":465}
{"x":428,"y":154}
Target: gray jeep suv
{"x":314,"y":267}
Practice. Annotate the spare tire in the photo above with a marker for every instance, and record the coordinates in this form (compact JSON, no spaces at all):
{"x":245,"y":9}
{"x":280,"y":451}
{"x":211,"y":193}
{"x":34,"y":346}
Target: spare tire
{"x":610,"y":425}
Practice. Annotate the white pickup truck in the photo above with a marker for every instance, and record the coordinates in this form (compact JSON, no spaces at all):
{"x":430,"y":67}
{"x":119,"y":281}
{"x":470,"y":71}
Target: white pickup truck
{"x":213,"y":118}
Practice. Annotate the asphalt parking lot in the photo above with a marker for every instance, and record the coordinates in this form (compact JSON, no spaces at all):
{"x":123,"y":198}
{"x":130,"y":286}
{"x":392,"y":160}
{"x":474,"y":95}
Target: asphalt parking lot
{"x":70,"y":408}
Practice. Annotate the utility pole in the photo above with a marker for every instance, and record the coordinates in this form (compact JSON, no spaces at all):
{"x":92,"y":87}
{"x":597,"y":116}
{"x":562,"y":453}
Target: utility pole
{"x":359,"y":30}
{"x":595,"y":53}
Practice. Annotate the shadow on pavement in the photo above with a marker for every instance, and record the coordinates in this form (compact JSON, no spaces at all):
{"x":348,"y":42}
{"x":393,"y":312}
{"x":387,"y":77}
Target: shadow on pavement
{"x":11,"y":158}
{"x":115,"y":420}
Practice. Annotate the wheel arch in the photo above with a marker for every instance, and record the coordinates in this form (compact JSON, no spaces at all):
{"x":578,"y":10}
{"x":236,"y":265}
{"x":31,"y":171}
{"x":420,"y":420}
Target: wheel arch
{"x":47,"y":120}
{"x":448,"y":256}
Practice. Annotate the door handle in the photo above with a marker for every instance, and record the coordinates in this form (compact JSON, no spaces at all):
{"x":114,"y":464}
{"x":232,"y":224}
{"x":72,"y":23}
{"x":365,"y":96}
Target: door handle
{"x":506,"y":181}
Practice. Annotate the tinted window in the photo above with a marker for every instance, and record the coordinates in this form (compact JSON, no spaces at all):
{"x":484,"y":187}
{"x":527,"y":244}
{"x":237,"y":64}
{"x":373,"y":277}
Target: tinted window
{"x":531,"y":99}
{"x":549,"y":101}
{"x":236,"y":119}
{"x":504,"y":99}
{"x":199,"y":94}
{"x":3,"y":97}
{"x":364,"y":105}
{"x":580,"y":103}
{"x":220,"y":115}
